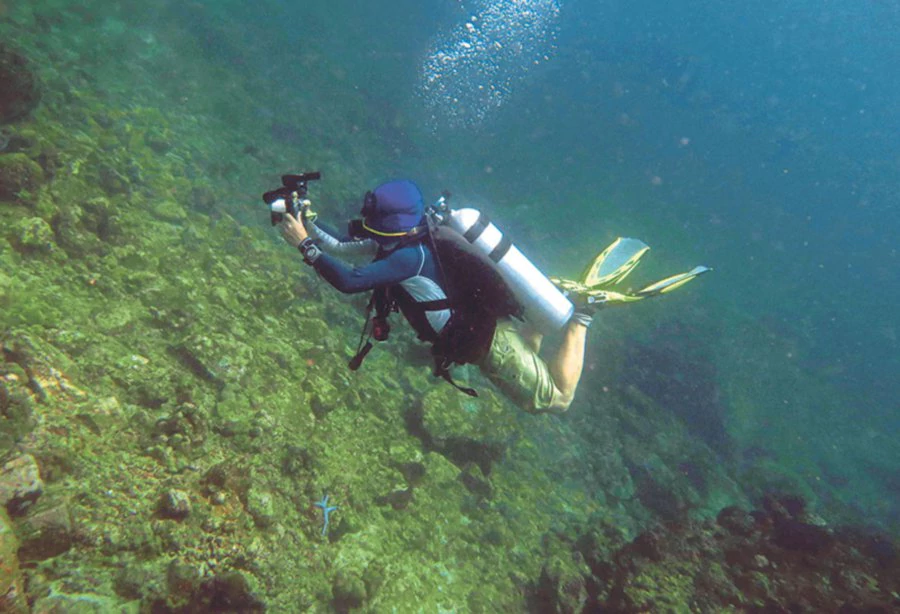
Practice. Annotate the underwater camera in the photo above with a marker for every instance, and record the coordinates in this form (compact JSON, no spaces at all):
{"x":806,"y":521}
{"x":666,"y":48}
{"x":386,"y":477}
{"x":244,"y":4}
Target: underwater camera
{"x":288,"y":198}
{"x":380,"y":328}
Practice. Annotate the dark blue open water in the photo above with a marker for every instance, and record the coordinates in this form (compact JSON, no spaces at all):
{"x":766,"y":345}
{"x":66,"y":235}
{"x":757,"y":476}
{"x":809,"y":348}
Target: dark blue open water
{"x":758,"y":138}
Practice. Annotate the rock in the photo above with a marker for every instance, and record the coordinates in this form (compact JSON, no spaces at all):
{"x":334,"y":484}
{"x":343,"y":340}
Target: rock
{"x":20,"y":93}
{"x":9,"y":564}
{"x":398,"y":499}
{"x":228,"y":592}
{"x":321,"y":406}
{"x":882,"y":549}
{"x":135,"y":581}
{"x":349,"y":592}
{"x":184,"y":429}
{"x":33,"y":235}
{"x":46,"y":532}
{"x":216,"y":476}
{"x":782,"y":506}
{"x":597,"y":547}
{"x":413,"y":472}
{"x":15,"y":601}
{"x":475,"y":481}
{"x":158,"y":141}
{"x":175,"y":504}
{"x":204,"y":199}
{"x":18,"y":173}
{"x":736,"y":521}
{"x":560,"y":590}
{"x":20,"y":484}
{"x":226,"y":476}
{"x":462,"y":429}
{"x":182,"y":580}
{"x":16,"y":404}
{"x":782,"y":564}
{"x":83,"y":603}
{"x":168,"y":210}
{"x":650,"y":545}
{"x":795,"y":535}
{"x":261,"y":506}
{"x":21,"y":139}
{"x":112,"y":180}
{"x":296,"y":461}
{"x":89,"y":226}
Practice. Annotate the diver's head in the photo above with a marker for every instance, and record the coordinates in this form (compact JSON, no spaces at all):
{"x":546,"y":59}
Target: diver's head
{"x":390,"y":212}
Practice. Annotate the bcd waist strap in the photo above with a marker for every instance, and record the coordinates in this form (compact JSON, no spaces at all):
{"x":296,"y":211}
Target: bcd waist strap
{"x":442,"y":369}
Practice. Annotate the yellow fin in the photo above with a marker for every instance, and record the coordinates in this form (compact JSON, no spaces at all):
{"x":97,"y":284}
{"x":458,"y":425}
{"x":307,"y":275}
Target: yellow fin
{"x":614,"y":263}
{"x":671,"y":283}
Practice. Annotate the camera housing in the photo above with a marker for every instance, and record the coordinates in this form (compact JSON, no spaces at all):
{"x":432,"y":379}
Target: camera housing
{"x":286,"y":199}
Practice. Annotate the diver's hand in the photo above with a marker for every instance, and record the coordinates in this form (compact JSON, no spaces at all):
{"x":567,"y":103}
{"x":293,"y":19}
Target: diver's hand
{"x":306,"y":213}
{"x":292,"y":230}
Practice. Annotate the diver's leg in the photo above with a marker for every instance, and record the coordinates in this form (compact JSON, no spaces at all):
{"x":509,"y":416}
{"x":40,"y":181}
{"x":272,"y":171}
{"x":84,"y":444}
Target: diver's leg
{"x":566,"y":366}
{"x":532,"y":337}
{"x":533,"y":384}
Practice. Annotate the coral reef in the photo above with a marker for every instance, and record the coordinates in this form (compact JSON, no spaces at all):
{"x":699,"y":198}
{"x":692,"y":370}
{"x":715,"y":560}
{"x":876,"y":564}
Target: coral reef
{"x":779,"y":559}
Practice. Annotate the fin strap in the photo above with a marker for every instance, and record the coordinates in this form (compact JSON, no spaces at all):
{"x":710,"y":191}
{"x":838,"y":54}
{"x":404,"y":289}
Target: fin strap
{"x":442,"y":369}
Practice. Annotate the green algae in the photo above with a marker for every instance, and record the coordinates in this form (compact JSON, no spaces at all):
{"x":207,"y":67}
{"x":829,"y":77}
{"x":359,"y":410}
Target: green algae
{"x":20,"y":176}
{"x":9,"y":563}
{"x":33,"y":234}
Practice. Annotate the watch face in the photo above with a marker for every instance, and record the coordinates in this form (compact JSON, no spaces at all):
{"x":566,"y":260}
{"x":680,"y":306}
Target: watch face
{"x":311,"y":252}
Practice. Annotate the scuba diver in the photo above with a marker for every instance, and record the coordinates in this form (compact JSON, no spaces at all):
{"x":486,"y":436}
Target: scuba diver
{"x":462,"y":286}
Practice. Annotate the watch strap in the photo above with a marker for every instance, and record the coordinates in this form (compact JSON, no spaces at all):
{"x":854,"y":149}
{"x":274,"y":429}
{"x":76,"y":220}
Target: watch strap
{"x":310,"y":250}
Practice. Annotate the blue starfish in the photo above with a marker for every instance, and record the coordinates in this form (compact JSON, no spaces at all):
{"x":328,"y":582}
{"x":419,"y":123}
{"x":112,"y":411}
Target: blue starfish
{"x":326,"y":510}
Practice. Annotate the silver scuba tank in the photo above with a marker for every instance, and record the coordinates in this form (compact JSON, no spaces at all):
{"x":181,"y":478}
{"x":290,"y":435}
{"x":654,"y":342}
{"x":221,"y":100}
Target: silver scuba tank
{"x":546,"y":307}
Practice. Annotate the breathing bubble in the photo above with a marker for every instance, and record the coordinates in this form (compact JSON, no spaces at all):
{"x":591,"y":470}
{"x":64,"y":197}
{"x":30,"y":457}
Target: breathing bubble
{"x":471,"y":70}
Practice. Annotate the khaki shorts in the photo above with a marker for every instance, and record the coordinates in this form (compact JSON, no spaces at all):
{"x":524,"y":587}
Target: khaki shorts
{"x":518,"y":371}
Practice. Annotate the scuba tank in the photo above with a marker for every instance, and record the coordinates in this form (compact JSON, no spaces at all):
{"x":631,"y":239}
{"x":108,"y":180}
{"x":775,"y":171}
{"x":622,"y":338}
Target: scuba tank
{"x":546,"y":307}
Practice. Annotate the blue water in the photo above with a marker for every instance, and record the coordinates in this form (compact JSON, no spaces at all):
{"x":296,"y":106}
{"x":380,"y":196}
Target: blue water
{"x":760,"y":139}
{"x":757,"y":138}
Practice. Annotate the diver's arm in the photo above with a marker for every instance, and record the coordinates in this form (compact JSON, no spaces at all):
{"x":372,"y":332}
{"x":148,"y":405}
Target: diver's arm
{"x":397,"y":267}
{"x":316,"y":225}
{"x":342,"y":245}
